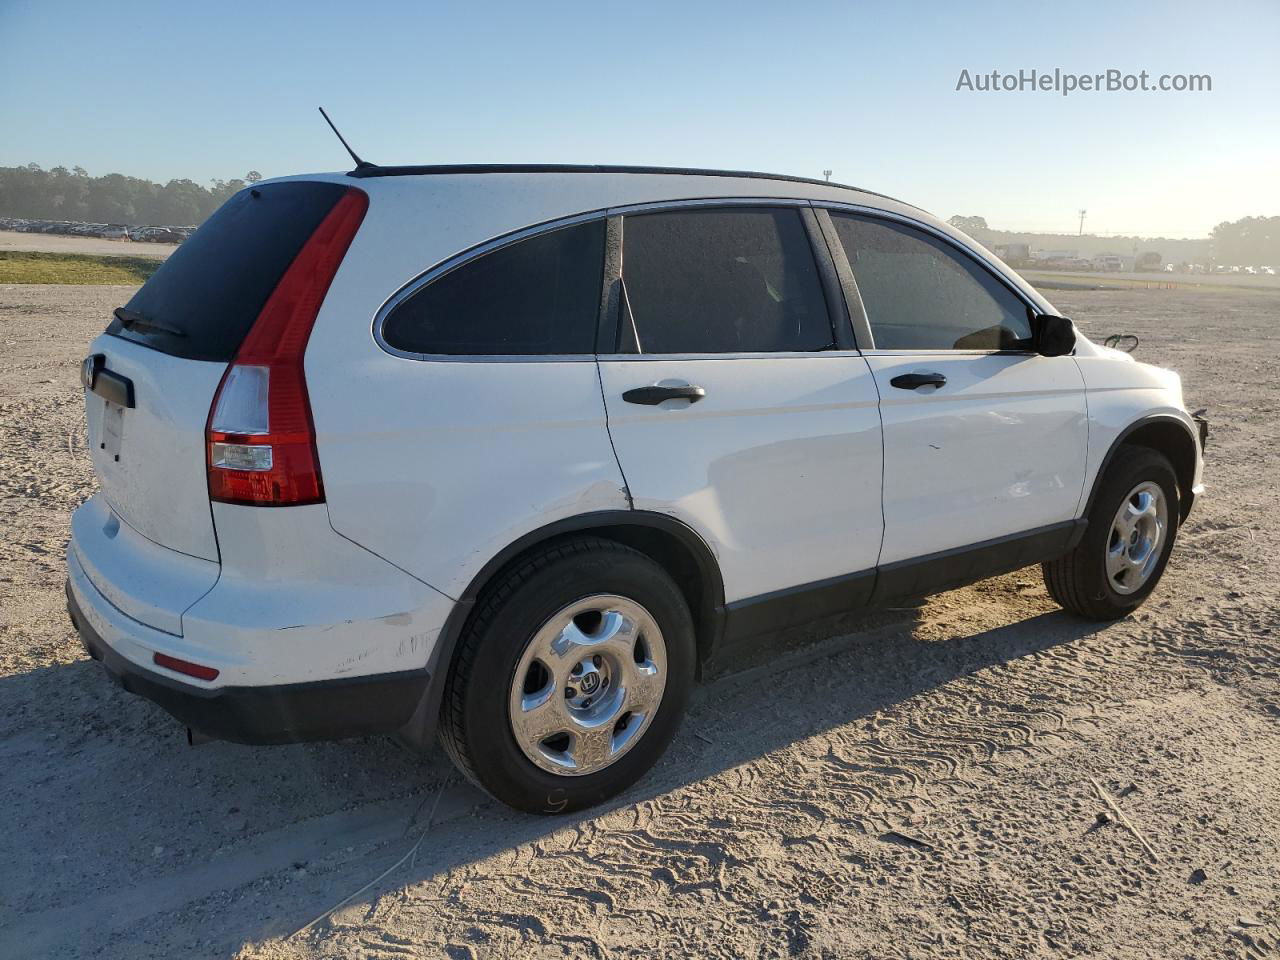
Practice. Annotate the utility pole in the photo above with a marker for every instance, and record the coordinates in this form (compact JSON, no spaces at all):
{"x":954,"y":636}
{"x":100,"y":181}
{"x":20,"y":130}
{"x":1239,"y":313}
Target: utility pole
{"x":1082,"y":213}
{"x":827,"y":175}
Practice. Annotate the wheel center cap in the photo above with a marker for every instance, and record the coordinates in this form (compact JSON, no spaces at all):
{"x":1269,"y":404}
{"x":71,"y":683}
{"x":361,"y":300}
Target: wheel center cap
{"x":590,"y":682}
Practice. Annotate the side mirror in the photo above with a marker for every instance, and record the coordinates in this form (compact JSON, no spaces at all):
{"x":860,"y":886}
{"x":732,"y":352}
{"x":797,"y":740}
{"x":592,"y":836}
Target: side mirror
{"x":1052,"y":336}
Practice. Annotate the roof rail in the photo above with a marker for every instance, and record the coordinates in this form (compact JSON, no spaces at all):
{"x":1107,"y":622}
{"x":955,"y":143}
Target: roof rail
{"x":418,"y":170}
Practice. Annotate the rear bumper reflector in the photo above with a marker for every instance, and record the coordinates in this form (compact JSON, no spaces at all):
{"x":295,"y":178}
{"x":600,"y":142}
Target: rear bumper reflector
{"x":196,"y":670}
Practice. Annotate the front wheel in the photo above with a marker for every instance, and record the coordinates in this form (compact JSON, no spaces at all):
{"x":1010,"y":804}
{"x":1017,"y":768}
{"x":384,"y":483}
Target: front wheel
{"x":1123,"y":553}
{"x":571,"y":678}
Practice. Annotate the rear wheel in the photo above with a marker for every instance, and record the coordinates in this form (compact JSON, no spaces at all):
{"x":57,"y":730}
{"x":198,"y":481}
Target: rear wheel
{"x":1132,"y":527}
{"x":571,"y":678}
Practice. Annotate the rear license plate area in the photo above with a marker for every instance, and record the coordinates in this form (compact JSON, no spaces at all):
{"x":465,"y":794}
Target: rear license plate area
{"x":111,"y":437}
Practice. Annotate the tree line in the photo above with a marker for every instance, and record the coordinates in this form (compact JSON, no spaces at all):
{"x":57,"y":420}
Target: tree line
{"x":1249,"y":242}
{"x":61,"y":194}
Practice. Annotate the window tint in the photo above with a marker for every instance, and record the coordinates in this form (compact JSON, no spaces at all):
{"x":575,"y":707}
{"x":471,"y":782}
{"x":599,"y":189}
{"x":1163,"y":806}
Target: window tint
{"x":723,"y":281}
{"x":922,"y":294}
{"x":213,"y":287}
{"x":540,"y":295}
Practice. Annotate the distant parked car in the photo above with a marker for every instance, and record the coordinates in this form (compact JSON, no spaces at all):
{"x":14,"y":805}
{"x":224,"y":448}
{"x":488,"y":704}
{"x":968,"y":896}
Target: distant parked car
{"x":1108,"y":264}
{"x":160,"y":235}
{"x":115,"y":231}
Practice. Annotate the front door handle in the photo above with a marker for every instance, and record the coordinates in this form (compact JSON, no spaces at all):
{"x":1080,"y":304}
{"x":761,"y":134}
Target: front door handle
{"x":651,"y":396}
{"x":913,"y":381}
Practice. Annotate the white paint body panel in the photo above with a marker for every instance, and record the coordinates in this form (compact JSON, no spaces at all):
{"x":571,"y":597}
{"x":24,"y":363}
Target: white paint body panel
{"x":778,"y":467}
{"x":147,"y":582}
{"x":1120,"y":392}
{"x":445,"y":463}
{"x":999,"y":449}
{"x":432,"y":468}
{"x":158,"y":484}
{"x":293,"y":602}
{"x":298,"y":602}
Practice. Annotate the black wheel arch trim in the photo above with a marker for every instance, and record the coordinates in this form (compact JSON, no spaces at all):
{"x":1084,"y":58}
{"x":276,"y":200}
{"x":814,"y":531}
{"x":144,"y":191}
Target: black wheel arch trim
{"x":1186,"y":497}
{"x":598,"y":519}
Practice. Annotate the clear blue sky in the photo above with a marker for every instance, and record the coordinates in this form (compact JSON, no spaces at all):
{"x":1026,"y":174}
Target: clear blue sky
{"x":203,"y":90}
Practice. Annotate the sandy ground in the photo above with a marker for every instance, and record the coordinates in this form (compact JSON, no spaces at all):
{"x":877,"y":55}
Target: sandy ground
{"x":56,"y":243}
{"x":917,"y":784}
{"x":1201,"y":282}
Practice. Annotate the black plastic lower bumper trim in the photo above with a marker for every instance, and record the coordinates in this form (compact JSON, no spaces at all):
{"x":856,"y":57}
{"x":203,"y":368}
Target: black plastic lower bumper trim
{"x":288,"y":713}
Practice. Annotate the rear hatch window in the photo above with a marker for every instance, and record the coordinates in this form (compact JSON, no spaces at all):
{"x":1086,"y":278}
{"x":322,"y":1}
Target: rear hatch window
{"x":201,"y":303}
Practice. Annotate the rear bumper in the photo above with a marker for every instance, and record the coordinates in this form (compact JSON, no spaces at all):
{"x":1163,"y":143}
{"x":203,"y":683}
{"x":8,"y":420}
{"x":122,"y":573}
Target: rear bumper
{"x":292,"y":602}
{"x":286,"y":713}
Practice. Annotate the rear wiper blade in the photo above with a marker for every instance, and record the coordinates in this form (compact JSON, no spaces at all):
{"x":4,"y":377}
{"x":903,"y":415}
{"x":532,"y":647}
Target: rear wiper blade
{"x":130,"y":319}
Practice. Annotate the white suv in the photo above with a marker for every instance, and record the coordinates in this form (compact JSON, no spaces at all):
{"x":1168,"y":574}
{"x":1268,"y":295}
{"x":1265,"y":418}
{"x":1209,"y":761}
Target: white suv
{"x":520,"y":449}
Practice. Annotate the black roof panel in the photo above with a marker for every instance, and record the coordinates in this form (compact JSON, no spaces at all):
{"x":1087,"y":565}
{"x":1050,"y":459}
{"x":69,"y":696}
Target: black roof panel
{"x":411,"y":170}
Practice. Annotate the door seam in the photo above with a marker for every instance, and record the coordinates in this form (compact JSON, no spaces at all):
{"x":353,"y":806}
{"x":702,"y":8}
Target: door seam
{"x":604,"y":406}
{"x":884,"y":521}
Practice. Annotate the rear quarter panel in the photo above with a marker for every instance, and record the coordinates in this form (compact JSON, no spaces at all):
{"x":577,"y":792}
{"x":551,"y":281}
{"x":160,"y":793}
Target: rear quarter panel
{"x":436,"y":466}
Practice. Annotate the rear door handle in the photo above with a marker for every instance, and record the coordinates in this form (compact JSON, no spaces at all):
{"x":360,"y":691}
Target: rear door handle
{"x":913,"y":381}
{"x":651,"y":396}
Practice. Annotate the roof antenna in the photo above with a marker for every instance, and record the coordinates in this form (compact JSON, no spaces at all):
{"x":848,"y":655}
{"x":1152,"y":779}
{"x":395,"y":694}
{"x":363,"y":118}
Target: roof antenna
{"x":360,"y":164}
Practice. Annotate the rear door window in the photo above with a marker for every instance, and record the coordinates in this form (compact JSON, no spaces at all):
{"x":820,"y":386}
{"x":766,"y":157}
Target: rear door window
{"x":920,"y":293}
{"x":740,"y":280}
{"x":207,"y":295}
{"x":537,"y":296}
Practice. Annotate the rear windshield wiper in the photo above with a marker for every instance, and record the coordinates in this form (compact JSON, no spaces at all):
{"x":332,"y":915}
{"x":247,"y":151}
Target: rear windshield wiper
{"x":131,"y":319}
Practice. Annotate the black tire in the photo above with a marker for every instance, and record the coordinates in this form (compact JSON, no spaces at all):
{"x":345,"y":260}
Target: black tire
{"x":1078,"y":580}
{"x":475,"y":727}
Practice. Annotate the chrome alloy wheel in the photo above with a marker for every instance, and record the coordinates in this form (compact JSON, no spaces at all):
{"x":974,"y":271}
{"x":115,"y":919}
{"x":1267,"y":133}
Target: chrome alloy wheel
{"x":1137,"y":536}
{"x":588,"y":685}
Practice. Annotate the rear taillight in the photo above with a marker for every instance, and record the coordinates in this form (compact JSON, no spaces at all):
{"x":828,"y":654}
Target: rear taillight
{"x":261,"y":441}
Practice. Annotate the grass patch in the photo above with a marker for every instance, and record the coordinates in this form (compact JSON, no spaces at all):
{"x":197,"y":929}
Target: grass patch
{"x":19,"y":266}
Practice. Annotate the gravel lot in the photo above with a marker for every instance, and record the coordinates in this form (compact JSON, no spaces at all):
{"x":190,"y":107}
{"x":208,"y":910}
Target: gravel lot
{"x":915,"y":784}
{"x":57,"y":243}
